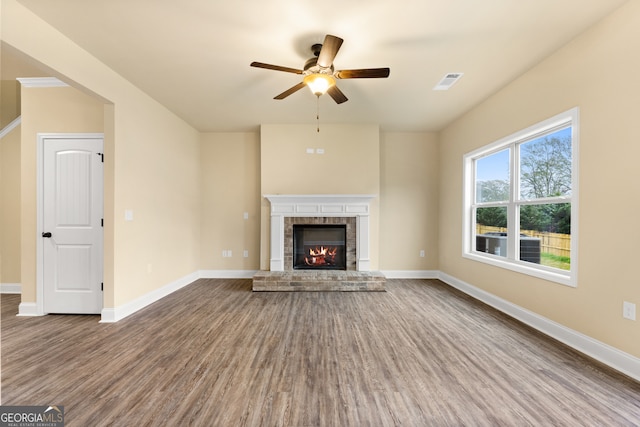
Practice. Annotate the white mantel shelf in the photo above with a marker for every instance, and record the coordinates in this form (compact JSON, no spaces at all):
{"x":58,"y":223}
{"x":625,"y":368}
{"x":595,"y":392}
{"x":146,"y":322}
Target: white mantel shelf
{"x":320,"y":205}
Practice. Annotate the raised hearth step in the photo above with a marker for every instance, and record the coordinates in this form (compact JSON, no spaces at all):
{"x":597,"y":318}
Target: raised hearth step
{"x":326,"y":280}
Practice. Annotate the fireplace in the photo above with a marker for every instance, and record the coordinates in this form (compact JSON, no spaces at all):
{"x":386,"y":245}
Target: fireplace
{"x":319,"y":247}
{"x":288,"y":210}
{"x":344,"y":219}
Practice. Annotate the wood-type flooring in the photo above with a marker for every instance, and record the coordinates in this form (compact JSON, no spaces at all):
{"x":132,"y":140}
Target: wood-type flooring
{"x":216,"y":354}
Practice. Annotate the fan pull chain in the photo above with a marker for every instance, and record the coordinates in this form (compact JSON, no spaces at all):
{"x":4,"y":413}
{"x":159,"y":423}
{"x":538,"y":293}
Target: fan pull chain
{"x":318,"y":114}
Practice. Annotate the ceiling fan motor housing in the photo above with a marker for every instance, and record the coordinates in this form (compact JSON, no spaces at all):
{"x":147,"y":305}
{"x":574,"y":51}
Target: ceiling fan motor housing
{"x":312,"y":67}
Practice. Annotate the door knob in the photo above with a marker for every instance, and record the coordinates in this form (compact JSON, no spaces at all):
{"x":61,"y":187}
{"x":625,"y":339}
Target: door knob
{"x":47,"y":234}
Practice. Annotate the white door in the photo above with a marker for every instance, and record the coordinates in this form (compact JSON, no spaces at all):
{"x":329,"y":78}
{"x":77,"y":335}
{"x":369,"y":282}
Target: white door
{"x":72,"y":230}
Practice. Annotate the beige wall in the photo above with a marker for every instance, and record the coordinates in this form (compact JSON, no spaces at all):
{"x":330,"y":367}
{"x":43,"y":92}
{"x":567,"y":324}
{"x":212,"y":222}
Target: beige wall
{"x":46,"y":110}
{"x":9,"y":101}
{"x":408,"y":201}
{"x":231,"y":185}
{"x":581,"y":74}
{"x":230,"y":165}
{"x":350,"y":165}
{"x":151,"y":168}
{"x":10,"y":207}
{"x":157,"y":177}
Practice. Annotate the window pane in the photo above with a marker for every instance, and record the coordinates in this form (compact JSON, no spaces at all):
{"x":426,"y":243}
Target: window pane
{"x":545,"y":166}
{"x":491,"y":231}
{"x":492,"y":177}
{"x":546,"y":234}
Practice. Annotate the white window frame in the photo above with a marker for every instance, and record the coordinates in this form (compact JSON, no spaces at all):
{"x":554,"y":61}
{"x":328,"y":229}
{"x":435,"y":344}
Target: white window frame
{"x":512,"y":261}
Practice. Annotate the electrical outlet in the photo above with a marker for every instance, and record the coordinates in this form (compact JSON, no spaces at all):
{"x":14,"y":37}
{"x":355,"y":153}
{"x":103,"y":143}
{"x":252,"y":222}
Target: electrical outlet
{"x":629,"y":310}
{"x":245,"y":253}
{"x":422,"y":253}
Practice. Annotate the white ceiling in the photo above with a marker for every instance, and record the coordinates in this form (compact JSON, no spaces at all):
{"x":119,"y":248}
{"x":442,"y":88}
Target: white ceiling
{"x":194,"y":56}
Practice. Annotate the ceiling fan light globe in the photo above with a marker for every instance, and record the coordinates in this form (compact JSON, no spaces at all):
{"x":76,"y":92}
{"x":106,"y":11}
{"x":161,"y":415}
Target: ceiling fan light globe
{"x":319,"y":83}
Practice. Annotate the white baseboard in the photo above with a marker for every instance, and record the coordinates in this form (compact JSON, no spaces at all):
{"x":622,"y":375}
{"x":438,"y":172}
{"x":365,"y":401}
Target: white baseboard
{"x":226,"y":274}
{"x":111,"y":315}
{"x":611,"y":356}
{"x":10,"y":288}
{"x":28,"y":309}
{"x":248,"y":274}
{"x":411,"y":274}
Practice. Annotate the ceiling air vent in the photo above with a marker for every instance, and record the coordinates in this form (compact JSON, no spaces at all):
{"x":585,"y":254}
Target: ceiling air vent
{"x":448,"y":81}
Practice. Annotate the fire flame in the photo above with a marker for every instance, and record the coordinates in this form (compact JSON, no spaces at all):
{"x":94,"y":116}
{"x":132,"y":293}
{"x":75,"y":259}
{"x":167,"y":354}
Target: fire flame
{"x":320,"y":256}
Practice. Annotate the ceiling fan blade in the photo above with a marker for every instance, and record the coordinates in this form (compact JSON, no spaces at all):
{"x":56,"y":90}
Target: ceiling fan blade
{"x":368,"y":73}
{"x":275,"y":67}
{"x":289,"y":91}
{"x":329,"y":50}
{"x":337,"y":94}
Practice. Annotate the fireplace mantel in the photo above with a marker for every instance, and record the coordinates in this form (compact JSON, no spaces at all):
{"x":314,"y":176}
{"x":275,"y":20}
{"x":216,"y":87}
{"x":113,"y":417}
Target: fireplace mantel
{"x":320,"y":205}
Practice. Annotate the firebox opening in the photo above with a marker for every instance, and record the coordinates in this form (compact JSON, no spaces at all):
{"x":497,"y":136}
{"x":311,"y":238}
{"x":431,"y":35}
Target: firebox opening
{"x":319,"y":246}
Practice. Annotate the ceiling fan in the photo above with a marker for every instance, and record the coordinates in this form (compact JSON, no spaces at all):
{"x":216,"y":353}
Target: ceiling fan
{"x":318,"y":72}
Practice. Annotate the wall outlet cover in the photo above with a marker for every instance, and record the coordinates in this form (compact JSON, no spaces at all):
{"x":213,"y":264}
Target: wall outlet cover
{"x":629,"y":310}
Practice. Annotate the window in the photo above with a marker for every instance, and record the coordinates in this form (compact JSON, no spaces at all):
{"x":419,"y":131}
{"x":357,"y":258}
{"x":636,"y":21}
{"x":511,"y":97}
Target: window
{"x":521,"y":200}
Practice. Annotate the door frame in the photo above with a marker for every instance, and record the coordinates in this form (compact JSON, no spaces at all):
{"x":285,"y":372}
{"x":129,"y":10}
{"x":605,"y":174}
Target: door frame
{"x":40,"y":210}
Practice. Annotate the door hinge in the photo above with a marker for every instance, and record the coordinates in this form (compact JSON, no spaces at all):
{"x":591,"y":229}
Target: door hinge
{"x":101,"y":156}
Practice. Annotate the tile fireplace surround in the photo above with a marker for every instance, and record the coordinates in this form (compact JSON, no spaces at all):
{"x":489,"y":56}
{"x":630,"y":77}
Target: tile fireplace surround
{"x":287,"y":210}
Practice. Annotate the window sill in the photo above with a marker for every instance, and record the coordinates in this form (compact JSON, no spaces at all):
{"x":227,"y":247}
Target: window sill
{"x":552,"y":275}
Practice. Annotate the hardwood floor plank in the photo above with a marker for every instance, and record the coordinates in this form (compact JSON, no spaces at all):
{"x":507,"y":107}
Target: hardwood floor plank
{"x":216,"y":354}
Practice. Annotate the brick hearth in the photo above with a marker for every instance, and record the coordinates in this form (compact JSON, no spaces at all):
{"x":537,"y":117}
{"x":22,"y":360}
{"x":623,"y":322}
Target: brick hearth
{"x":325,"y":280}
